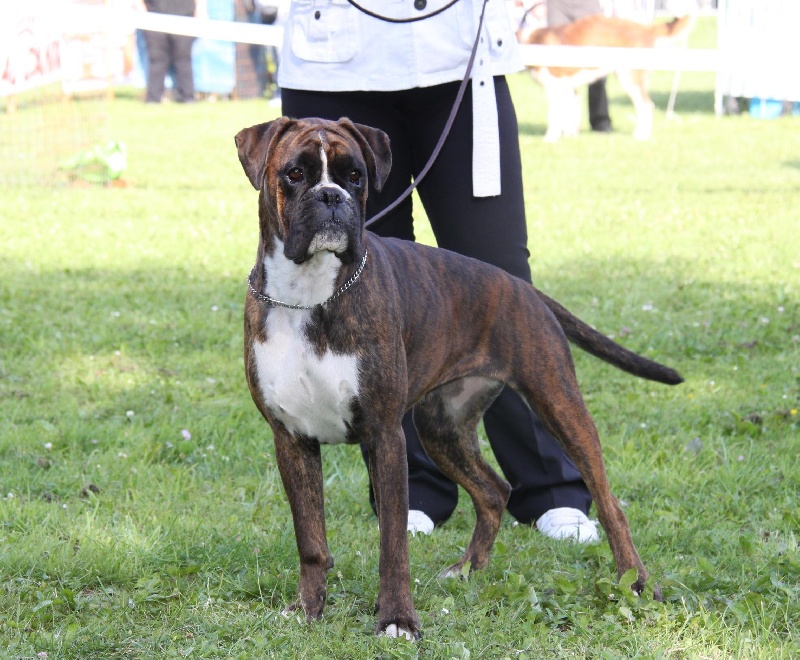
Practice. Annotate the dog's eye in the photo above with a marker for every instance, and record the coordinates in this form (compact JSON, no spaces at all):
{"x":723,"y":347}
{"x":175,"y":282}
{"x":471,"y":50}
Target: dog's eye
{"x":354,"y":177}
{"x":295,"y":175}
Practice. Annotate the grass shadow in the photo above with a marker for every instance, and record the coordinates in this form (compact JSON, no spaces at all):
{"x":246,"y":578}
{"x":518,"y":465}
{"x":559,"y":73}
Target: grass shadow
{"x":122,"y":334}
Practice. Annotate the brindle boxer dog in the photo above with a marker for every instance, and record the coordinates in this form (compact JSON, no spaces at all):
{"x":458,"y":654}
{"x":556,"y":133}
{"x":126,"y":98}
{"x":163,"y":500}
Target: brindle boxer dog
{"x":345,"y":331}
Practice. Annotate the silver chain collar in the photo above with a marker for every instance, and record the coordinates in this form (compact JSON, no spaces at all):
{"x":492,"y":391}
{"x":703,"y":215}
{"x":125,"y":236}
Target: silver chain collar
{"x":272,"y":302}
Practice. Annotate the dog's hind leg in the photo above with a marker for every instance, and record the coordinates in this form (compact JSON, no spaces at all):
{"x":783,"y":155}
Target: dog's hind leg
{"x":446,"y":420}
{"x":552,"y":389}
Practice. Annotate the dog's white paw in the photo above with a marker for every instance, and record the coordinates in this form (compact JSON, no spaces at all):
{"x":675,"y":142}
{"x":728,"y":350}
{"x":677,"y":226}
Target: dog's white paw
{"x":395,"y":632}
{"x":449,"y":574}
{"x":292,"y":612}
{"x":456,"y":571}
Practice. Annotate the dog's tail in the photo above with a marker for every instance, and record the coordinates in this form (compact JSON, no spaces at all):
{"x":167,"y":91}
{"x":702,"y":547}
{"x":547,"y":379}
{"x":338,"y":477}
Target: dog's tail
{"x":596,"y":343}
{"x":672,"y":31}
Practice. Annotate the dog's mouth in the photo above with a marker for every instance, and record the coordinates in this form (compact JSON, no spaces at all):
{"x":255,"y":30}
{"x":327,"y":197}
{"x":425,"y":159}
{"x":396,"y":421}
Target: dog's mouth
{"x":319,"y":228}
{"x":329,"y":239}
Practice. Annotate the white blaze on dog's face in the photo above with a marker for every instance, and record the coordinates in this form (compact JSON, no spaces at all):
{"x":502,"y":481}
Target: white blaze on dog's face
{"x":325,"y":176}
{"x":332,"y":239}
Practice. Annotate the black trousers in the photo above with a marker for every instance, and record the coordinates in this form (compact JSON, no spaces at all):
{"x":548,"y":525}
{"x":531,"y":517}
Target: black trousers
{"x":164,"y":51}
{"x":492,"y":229}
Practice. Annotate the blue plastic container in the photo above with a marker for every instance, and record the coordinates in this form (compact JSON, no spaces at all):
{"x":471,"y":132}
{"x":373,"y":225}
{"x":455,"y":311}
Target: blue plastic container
{"x":769,"y":108}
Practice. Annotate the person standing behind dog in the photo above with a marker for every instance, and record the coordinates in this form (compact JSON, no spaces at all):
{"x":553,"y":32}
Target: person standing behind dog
{"x":561,"y":12}
{"x":403,"y":78}
{"x":167,"y":51}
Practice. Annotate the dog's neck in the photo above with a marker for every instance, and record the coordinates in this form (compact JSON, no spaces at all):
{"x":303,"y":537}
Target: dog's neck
{"x":306,"y":284}
{"x":286,"y":274}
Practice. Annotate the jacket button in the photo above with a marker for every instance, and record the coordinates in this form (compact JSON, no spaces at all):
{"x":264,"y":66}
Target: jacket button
{"x":420,"y":4}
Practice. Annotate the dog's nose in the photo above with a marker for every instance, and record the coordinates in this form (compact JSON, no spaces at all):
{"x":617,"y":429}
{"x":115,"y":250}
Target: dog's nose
{"x":329,"y":196}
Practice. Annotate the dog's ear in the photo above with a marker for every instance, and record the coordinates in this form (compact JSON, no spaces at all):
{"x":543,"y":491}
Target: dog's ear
{"x":375,"y":147}
{"x":254,"y":145}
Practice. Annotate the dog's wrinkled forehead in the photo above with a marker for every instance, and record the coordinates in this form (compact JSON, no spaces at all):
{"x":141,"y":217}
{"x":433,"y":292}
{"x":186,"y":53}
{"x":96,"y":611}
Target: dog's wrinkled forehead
{"x":282,"y":139}
{"x":318,"y":145}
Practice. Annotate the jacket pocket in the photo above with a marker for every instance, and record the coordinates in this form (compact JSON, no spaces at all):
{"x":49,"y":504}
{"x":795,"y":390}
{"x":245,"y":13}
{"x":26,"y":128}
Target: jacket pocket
{"x":325,"y":32}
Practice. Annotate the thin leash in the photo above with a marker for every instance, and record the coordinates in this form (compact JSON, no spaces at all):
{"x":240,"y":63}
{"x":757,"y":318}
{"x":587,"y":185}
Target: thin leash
{"x":456,"y":104}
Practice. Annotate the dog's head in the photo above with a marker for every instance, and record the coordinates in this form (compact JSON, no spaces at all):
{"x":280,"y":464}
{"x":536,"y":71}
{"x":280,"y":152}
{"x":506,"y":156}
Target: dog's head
{"x":313,"y":176}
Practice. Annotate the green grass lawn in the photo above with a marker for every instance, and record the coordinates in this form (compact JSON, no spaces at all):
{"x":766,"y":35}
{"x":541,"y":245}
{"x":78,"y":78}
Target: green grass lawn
{"x":141,"y":514}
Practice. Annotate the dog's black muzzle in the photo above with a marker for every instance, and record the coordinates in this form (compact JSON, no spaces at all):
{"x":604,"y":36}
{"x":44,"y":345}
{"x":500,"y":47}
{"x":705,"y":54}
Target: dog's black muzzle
{"x":327,"y":219}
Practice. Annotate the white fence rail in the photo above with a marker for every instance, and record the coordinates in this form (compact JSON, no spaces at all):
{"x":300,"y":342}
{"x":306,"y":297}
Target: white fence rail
{"x":719,"y":61}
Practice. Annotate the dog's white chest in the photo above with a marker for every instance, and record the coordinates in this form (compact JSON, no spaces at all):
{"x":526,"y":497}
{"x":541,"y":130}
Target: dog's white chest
{"x":311,"y":395}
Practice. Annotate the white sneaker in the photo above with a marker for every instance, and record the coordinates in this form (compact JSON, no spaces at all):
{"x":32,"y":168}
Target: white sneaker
{"x":418,"y":521}
{"x":567,"y":523}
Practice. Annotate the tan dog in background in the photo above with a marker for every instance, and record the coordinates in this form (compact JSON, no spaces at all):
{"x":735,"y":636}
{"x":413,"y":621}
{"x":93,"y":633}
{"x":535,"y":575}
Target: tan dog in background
{"x":561,"y":84}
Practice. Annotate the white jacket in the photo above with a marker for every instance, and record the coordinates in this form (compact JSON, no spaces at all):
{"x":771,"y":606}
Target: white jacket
{"x":331,"y":46}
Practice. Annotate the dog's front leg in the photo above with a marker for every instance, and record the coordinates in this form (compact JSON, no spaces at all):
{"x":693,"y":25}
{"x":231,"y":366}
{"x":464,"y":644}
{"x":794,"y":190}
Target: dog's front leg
{"x":634,"y":83}
{"x":300,"y":466}
{"x":388,"y":469}
{"x":559,"y":106}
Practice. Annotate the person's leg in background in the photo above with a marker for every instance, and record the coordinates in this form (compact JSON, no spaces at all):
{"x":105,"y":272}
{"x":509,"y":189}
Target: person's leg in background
{"x":158,"y":57}
{"x":182,"y":62}
{"x":599,"y":118}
